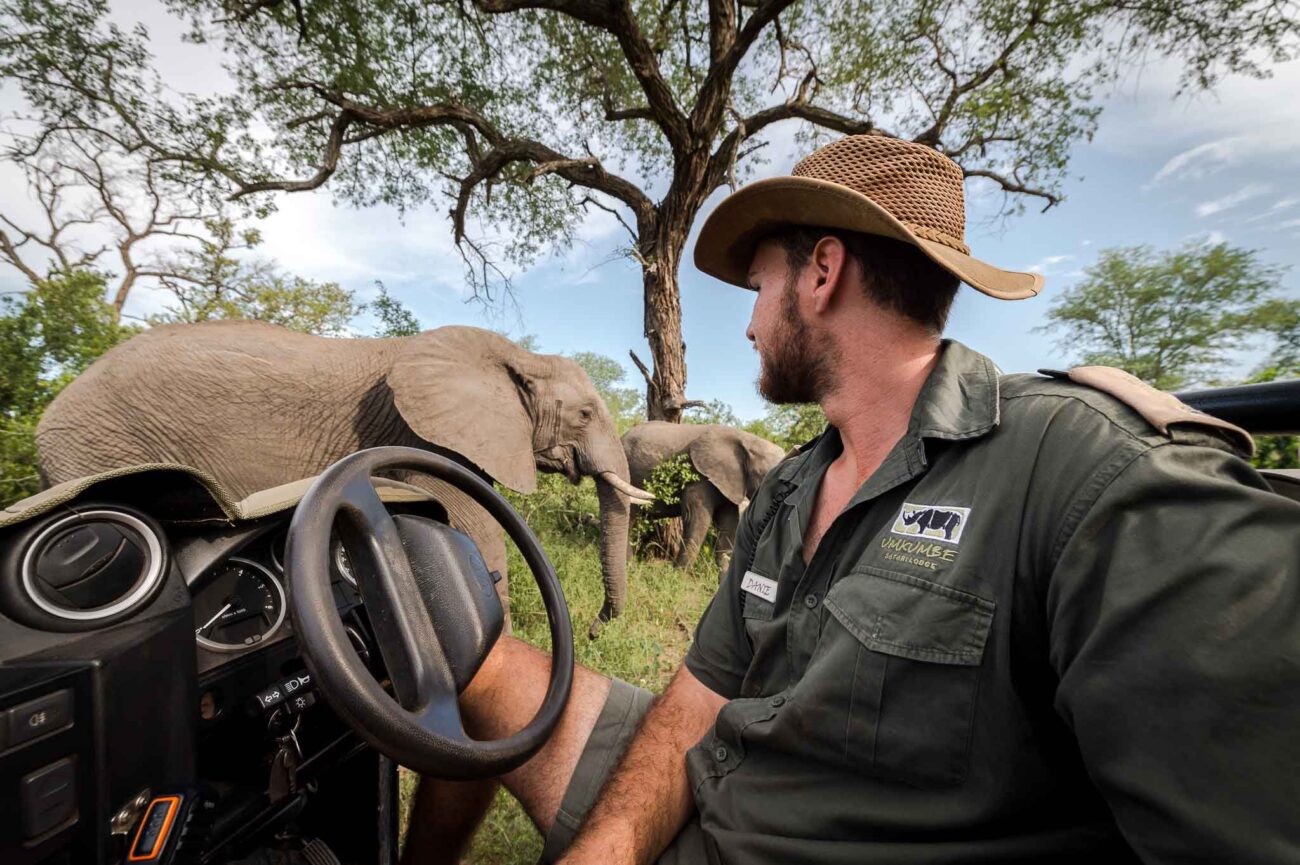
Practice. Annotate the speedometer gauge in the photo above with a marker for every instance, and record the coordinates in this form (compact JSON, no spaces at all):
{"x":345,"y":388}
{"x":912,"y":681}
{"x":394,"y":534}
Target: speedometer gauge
{"x":342,"y":564}
{"x":237,"y":605}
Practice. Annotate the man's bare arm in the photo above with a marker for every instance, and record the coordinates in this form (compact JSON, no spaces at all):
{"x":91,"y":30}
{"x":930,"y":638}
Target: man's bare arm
{"x":647,"y":800}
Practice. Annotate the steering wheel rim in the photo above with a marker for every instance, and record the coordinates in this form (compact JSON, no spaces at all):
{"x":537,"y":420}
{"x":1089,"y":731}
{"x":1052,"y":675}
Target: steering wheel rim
{"x":421,"y":727}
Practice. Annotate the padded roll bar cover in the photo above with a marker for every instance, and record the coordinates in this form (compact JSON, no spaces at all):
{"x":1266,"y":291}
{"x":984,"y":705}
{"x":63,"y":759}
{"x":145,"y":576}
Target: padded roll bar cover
{"x":1268,"y":408}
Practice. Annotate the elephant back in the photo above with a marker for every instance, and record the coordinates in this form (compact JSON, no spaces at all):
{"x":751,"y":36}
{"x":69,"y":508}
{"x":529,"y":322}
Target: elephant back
{"x":734,"y":460}
{"x":235,"y":399}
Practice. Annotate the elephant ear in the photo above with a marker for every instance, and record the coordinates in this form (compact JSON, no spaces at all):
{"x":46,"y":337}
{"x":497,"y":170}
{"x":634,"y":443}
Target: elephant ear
{"x":763,"y":456}
{"x":721,"y":459}
{"x":460,"y":388}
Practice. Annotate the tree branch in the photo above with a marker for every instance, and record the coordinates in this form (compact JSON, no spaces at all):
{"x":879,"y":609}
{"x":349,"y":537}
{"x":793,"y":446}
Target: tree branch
{"x":1013,"y":185}
{"x":960,"y":88}
{"x":726,"y":154}
{"x":587,"y":199}
{"x":11,"y":254}
{"x":723,"y":16}
{"x":617,"y":18}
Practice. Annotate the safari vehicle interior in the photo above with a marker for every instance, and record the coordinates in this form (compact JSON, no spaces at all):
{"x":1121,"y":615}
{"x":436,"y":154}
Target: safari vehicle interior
{"x":187,"y":678}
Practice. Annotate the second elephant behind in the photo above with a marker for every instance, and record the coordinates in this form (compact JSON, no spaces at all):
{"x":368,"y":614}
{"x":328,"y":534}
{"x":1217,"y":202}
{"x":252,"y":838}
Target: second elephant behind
{"x":731,"y":464}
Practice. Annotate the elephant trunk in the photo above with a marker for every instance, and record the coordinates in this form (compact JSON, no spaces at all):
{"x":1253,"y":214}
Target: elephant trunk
{"x":613,"y":552}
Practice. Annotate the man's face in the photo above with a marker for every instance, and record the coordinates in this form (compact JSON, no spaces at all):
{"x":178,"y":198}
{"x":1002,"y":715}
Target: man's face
{"x":794,"y":357}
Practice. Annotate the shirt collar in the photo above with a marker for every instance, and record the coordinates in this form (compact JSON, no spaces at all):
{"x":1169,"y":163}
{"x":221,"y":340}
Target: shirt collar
{"x":959,"y":400}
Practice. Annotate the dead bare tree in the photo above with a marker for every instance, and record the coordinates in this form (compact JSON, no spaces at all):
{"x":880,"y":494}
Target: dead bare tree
{"x":99,"y":208}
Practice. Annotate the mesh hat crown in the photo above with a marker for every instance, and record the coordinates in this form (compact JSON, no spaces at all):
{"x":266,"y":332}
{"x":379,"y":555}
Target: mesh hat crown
{"x":872,"y":184}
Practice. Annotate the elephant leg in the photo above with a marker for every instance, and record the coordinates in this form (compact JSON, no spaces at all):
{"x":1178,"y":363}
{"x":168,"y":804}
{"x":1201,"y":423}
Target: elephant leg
{"x":725,"y":519}
{"x":697,"y":516}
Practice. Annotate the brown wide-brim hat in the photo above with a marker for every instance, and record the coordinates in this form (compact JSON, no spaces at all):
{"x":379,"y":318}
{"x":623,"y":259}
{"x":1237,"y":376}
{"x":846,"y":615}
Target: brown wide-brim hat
{"x":871,"y":184}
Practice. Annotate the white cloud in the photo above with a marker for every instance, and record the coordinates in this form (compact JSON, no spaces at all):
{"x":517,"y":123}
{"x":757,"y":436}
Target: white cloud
{"x":1273,"y":210}
{"x":1199,"y":161}
{"x":1231,"y":200}
{"x":1206,"y":238}
{"x":1149,"y":112}
{"x":1044,"y":264}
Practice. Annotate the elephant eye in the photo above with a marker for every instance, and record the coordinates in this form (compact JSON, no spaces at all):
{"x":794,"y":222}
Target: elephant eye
{"x":585,"y":414}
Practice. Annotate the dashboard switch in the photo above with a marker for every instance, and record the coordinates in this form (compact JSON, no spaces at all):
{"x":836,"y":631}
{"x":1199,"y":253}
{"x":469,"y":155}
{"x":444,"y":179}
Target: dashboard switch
{"x":277,"y":694}
{"x":38,"y":717}
{"x":48,"y":797}
{"x":155,"y":828}
{"x":300,"y":703}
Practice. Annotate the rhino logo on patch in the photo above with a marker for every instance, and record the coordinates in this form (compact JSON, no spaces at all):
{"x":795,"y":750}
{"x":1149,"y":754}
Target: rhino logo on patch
{"x":940,"y":522}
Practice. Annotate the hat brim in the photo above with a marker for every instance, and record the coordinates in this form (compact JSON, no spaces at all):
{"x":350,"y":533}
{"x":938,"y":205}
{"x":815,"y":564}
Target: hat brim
{"x":726,"y":243}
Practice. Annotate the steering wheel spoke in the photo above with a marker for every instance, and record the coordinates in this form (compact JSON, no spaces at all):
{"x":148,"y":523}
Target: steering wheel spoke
{"x":433,"y":610}
{"x":407,"y":640}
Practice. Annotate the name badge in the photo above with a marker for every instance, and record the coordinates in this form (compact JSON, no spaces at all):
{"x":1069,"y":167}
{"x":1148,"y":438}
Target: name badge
{"x":759,"y":585}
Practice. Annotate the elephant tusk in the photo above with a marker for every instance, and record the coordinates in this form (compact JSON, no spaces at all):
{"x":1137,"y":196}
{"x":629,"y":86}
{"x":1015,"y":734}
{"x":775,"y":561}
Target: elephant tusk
{"x":744,"y":505}
{"x":626,"y":488}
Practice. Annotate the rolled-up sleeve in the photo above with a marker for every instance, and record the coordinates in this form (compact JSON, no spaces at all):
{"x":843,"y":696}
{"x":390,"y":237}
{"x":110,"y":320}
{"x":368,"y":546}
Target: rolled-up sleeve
{"x":1174,"y":609}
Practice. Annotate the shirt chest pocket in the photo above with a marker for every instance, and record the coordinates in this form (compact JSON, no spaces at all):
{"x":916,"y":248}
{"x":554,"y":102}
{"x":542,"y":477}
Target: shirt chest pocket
{"x":892,"y":684}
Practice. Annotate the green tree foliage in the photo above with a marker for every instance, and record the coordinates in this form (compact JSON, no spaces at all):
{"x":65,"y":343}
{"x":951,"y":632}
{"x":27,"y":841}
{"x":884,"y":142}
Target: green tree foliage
{"x":394,"y":318}
{"x":48,"y":335}
{"x":653,"y":538}
{"x":670,"y":477}
{"x":1283,"y":321}
{"x":528,"y":114}
{"x":790,"y":425}
{"x":785,"y":425}
{"x":1175,"y":318}
{"x":712,"y":411}
{"x":208,"y":281}
{"x":1170,"y":318}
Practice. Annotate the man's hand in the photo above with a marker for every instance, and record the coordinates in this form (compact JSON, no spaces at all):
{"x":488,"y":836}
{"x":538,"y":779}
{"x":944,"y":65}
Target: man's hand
{"x":647,"y":800}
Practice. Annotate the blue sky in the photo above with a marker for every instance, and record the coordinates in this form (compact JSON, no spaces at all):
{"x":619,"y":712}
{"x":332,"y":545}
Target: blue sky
{"x":1161,"y":171}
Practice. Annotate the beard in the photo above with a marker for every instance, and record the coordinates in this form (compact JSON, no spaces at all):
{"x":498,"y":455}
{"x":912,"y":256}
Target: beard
{"x":796,"y":367}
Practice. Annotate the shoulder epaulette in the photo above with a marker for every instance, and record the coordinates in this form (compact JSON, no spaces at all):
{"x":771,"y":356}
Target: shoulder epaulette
{"x":1161,"y":410}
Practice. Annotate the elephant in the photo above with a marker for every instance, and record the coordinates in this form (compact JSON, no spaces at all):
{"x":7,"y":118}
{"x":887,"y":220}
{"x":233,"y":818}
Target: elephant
{"x":731,"y":463}
{"x":256,"y":405}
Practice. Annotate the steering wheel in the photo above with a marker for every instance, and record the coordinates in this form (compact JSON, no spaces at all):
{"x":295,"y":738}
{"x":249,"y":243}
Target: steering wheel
{"x":435,"y":615}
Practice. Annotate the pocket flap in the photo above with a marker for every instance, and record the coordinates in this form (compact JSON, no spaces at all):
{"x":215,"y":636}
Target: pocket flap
{"x":902,"y":615}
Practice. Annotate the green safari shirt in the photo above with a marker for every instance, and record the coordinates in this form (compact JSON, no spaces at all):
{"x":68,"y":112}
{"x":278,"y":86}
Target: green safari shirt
{"x":1041,"y":631}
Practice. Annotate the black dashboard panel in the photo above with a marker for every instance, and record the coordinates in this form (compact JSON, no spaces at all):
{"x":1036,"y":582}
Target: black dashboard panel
{"x":113,"y":710}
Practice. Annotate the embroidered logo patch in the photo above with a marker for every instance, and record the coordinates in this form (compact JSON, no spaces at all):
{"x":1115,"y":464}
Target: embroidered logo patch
{"x":759,"y":585}
{"x":940,"y":522}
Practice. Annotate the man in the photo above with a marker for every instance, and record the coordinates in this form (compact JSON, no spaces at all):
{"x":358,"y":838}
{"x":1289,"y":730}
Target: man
{"x":981,"y":618}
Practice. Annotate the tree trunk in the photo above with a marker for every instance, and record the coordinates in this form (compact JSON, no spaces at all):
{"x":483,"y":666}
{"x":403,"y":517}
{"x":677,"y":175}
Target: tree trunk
{"x":666,"y":389}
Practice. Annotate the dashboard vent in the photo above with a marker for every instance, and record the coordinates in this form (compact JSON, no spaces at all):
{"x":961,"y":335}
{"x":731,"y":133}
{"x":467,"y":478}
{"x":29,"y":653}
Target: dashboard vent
{"x":93,"y":565}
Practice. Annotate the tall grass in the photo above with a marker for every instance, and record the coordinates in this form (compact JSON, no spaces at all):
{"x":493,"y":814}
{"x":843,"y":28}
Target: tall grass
{"x":644,"y":646}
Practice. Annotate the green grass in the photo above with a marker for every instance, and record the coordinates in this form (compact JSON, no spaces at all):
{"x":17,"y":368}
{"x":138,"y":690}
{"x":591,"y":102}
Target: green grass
{"x":644,"y":646}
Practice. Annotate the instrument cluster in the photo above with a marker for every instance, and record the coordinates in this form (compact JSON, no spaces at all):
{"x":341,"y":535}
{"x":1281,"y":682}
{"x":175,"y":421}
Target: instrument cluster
{"x":241,"y":602}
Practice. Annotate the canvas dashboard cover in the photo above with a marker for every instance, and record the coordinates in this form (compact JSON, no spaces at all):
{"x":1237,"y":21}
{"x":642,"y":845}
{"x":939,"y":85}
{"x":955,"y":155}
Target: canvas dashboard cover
{"x":177,"y":494}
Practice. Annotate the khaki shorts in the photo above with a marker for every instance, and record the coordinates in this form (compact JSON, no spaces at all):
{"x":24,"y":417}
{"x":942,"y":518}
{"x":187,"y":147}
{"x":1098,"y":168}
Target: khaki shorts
{"x":619,"y":718}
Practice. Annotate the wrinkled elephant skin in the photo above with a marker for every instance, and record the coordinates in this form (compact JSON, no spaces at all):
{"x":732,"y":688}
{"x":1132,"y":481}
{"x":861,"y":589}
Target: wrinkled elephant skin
{"x":731,"y":464}
{"x":256,"y":405}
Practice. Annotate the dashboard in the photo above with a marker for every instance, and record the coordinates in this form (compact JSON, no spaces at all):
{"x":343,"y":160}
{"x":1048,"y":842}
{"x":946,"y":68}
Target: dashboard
{"x":240,"y":601}
{"x":148,"y":662}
